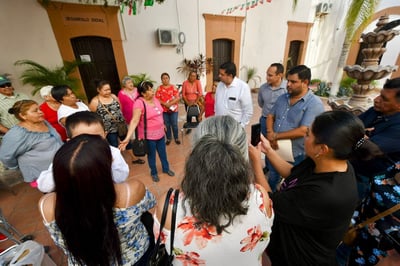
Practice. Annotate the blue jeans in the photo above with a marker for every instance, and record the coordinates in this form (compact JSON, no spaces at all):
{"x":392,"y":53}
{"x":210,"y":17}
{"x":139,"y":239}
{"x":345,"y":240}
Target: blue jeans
{"x":263,"y":121}
{"x":171,"y":121}
{"x":160,"y":147}
{"x":274,"y":177}
{"x":113,"y":140}
{"x":263,"y":124}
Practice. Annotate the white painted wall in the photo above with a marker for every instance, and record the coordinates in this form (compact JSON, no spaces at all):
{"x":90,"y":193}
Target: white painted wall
{"x":27,"y":34}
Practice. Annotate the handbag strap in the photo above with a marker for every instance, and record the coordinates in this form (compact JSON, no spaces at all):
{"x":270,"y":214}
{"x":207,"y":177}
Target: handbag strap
{"x":145,"y":123}
{"x":164,"y":214}
{"x":173,"y":220}
{"x":108,"y":111}
{"x":378,"y":216}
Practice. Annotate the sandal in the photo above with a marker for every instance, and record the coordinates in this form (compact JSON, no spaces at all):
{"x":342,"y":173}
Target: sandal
{"x":138,"y":161}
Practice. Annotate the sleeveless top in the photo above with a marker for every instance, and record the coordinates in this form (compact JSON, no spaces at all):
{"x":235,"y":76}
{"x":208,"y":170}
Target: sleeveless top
{"x":242,"y":243}
{"x":110,"y":120}
{"x":132,"y":233}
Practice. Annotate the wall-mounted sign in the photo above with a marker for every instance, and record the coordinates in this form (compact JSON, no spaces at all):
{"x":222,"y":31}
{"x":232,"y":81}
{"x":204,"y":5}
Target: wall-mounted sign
{"x":85,"y":58}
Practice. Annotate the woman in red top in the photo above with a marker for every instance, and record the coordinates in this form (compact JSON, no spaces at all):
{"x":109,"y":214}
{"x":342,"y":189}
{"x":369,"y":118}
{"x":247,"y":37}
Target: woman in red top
{"x":209,"y":100}
{"x":168,"y":96}
{"x":49,"y":108}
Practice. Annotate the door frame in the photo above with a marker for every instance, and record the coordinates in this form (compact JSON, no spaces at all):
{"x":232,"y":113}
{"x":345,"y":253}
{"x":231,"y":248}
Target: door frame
{"x":223,"y":27}
{"x":76,"y":20}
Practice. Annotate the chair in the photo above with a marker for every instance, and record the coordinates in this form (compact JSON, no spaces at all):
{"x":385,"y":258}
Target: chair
{"x":192,"y":112}
{"x":11,"y":232}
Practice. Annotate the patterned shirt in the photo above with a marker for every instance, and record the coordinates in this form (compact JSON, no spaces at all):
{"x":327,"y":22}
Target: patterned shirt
{"x":111,"y":115}
{"x":242,"y":243}
{"x":132,"y":233}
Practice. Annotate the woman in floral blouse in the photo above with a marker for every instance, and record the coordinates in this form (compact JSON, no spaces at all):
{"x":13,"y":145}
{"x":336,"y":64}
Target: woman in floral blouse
{"x":168,"y":96}
{"x":223,"y":218}
{"x":95,"y":221}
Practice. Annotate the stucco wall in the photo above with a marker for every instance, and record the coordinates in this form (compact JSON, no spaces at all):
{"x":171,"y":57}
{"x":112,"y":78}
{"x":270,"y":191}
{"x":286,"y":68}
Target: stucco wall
{"x":27,"y":34}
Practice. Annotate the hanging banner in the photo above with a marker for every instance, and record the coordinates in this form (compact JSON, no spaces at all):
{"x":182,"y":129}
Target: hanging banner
{"x":247,"y":6}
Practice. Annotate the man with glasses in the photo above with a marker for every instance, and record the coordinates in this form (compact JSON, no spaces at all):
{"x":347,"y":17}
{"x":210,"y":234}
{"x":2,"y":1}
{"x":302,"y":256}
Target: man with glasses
{"x":291,"y":116}
{"x":7,"y":100}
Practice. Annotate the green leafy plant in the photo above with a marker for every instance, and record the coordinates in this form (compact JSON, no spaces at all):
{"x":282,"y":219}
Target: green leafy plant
{"x":138,"y":78}
{"x":251,"y":75}
{"x":315,"y":81}
{"x":323,"y":89}
{"x":38,"y":75}
{"x":200,"y":64}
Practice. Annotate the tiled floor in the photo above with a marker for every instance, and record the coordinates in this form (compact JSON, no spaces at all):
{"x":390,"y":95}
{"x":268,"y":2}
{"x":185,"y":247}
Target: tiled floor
{"x":21,"y":210}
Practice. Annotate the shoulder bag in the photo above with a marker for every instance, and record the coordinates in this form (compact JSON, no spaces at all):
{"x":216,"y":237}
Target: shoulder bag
{"x":351,"y":234}
{"x":122,"y":128}
{"x":159,"y":256}
{"x":139,"y":146}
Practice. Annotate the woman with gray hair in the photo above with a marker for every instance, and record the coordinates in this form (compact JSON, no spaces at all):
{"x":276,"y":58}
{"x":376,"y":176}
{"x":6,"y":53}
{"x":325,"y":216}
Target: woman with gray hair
{"x":220,"y":207}
{"x":127,"y":97}
{"x":226,"y":129}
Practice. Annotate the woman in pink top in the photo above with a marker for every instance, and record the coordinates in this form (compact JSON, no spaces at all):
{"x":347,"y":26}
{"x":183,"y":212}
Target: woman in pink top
{"x":192,"y":92}
{"x":154,"y":129}
{"x":127,"y":96}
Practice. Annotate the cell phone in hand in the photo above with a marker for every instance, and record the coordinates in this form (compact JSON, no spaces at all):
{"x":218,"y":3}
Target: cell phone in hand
{"x":255,"y":134}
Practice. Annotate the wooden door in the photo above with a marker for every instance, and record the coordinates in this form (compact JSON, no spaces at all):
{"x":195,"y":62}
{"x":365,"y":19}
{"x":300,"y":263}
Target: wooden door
{"x":99,"y":52}
{"x":222,"y":52}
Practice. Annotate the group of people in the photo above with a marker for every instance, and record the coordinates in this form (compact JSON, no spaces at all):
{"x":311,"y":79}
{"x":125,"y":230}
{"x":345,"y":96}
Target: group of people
{"x":298,"y":215}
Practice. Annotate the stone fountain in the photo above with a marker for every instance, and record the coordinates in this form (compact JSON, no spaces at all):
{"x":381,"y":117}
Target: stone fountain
{"x":369,"y":69}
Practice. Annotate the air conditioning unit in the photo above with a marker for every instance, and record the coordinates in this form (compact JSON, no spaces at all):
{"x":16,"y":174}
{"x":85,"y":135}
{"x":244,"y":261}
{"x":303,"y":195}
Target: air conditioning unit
{"x":167,"y":37}
{"x":323,"y":8}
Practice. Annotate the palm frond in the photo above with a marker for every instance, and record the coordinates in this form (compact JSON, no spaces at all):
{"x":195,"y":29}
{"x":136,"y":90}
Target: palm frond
{"x":359,"y":15}
{"x":38,"y":75}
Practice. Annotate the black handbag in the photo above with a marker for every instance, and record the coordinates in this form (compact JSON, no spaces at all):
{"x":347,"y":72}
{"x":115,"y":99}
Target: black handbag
{"x":139,"y":146}
{"x":159,"y":255}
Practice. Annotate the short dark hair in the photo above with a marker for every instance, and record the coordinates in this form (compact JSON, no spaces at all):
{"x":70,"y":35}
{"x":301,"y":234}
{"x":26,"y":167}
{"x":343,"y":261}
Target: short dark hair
{"x":393,"y":84}
{"x":165,"y":74}
{"x":302,"y":71}
{"x":99,"y":83}
{"x":229,"y":68}
{"x":85,"y":200}
{"x":208,"y":187}
{"x":59,"y":91}
{"x":82,"y":117}
{"x":279,"y":68}
{"x":343,"y":132}
{"x":144,"y":86}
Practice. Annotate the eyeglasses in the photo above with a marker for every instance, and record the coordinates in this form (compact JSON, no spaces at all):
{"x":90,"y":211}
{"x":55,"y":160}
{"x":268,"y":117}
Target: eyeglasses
{"x":8,"y":84}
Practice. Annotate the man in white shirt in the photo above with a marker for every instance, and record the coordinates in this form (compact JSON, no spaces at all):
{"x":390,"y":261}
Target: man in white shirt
{"x":233,"y":96}
{"x":86,"y":122}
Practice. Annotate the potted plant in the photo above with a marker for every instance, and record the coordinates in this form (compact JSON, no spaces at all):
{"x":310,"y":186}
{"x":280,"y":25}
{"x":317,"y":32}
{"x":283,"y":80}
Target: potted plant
{"x":200,"y":64}
{"x":139,"y":78}
{"x":38,"y":75}
{"x":251,"y":76}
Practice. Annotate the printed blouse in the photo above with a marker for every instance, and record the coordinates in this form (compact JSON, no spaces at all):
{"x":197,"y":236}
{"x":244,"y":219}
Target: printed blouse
{"x":132,"y":233}
{"x":111,"y":115}
{"x":242,"y":243}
